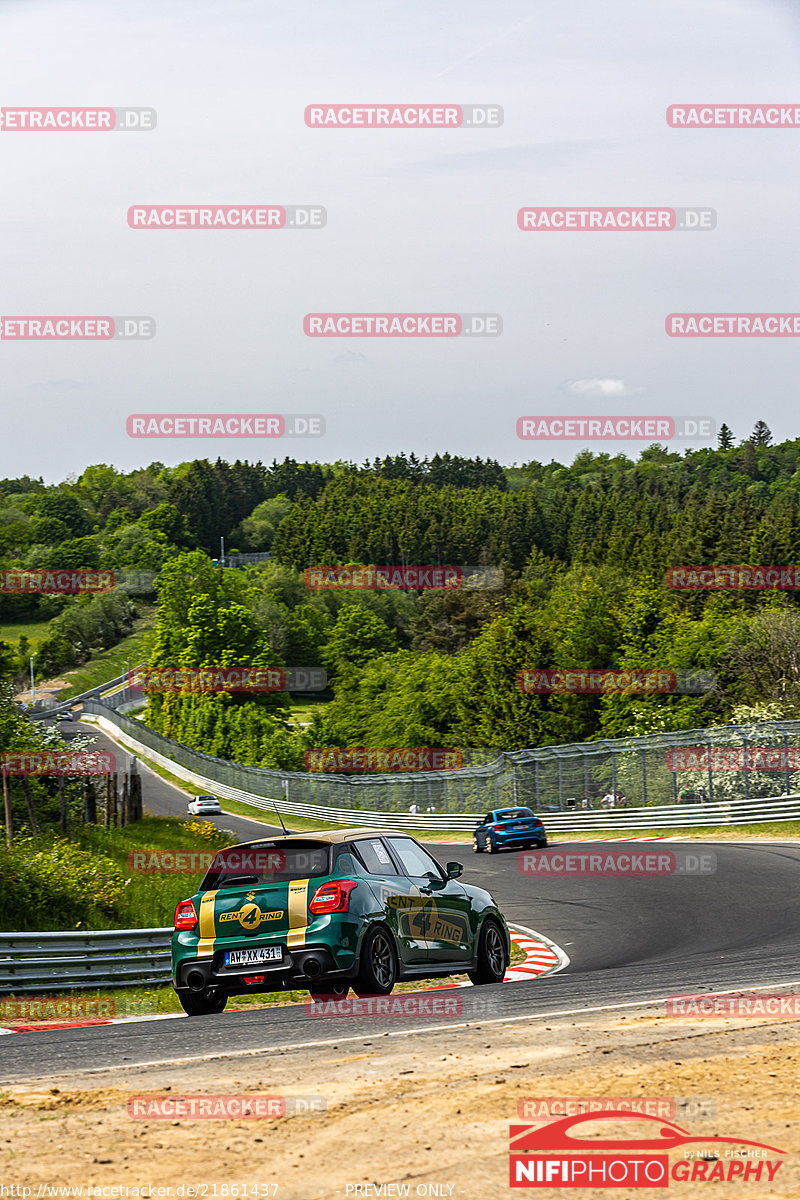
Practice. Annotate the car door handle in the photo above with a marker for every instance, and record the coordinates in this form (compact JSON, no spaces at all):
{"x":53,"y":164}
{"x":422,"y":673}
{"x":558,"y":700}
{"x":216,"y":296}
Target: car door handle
{"x":426,"y":891}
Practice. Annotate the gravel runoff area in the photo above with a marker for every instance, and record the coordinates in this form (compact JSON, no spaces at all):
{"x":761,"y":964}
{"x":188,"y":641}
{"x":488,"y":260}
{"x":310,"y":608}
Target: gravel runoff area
{"x":427,"y":1110}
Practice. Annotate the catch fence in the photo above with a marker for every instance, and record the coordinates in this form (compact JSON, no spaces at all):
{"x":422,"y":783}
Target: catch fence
{"x":689,"y":769}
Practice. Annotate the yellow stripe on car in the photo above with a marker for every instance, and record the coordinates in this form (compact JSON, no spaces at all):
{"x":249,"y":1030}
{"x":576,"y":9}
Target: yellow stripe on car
{"x":298,"y":912}
{"x":205,"y":925}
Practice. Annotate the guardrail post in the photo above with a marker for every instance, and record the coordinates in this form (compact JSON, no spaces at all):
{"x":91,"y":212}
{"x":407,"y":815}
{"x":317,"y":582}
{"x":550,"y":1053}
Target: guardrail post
{"x":644,"y":776}
{"x":62,"y":804}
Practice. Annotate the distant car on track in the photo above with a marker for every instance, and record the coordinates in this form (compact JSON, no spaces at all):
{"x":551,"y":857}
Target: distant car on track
{"x":201,"y":805}
{"x":65,"y":716}
{"x":329,"y":911}
{"x":510,"y":828}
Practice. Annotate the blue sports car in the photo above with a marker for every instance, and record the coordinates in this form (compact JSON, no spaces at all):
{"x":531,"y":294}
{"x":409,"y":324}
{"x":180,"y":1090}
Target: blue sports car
{"x":508,"y":827}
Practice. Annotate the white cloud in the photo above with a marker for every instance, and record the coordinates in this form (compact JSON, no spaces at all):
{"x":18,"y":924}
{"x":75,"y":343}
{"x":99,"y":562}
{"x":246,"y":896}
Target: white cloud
{"x":600,"y":387}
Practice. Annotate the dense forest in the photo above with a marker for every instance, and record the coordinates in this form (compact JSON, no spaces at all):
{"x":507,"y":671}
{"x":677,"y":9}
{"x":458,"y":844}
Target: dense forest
{"x":583,"y":550}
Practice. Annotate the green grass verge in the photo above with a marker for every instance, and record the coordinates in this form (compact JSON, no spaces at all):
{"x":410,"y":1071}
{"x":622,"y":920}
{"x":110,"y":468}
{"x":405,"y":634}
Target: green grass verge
{"x":107,"y":664}
{"x":34,"y":631}
{"x":150,"y":897}
{"x":302,"y":710}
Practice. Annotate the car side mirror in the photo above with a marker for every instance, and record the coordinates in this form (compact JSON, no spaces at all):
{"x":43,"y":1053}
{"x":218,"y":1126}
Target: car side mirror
{"x":454,"y":869}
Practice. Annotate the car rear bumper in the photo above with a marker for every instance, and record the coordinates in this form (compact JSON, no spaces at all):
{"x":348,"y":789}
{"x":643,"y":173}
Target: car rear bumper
{"x":305,"y":967}
{"x":520,"y":838}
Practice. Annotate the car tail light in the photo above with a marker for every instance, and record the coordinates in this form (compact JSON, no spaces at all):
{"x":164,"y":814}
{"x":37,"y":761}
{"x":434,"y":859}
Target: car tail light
{"x":185,"y":916}
{"x":332,"y":897}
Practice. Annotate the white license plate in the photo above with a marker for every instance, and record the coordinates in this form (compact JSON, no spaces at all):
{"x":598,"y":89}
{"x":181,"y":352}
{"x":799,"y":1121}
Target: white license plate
{"x":259,"y":954}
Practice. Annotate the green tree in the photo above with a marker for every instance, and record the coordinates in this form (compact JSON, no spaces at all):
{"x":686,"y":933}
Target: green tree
{"x":357,"y":638}
{"x":258,"y":530}
{"x":761,"y":435}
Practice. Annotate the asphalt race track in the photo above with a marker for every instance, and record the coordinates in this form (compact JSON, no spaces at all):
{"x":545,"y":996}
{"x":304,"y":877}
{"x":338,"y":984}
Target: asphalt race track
{"x":161,"y":798}
{"x":631,"y":940}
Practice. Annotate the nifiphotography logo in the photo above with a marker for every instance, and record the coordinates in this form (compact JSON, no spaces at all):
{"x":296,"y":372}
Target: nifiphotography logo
{"x":564,"y":1154}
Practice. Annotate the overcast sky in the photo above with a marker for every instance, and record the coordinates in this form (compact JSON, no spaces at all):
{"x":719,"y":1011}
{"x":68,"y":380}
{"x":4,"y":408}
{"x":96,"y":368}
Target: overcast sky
{"x":417,"y":221}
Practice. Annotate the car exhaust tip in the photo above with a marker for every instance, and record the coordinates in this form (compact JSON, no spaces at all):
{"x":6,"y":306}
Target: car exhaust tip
{"x":312,"y":968}
{"x":196,"y":980}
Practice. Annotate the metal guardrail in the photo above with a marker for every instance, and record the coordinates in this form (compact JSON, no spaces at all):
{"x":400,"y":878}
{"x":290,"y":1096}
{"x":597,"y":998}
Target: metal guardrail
{"x":651,"y":770}
{"x":729,"y":812}
{"x":677,"y":816}
{"x":50,"y":962}
{"x":111,"y":685}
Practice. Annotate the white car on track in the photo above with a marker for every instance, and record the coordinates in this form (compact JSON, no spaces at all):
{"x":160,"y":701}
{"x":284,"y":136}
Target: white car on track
{"x":202,"y":806}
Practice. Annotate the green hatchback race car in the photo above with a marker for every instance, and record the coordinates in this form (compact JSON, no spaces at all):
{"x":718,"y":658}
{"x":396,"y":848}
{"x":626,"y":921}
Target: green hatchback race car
{"x":329,"y":911}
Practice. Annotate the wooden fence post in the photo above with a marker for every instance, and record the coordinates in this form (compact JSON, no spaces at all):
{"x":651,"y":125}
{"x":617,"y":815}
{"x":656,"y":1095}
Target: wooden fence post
{"x":62,"y":804}
{"x":32,"y":818}
{"x":89,"y":801}
{"x":7,"y":808}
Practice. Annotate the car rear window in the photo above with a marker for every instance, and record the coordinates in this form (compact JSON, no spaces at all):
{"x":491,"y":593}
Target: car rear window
{"x":513,"y":814}
{"x":267,"y":862}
